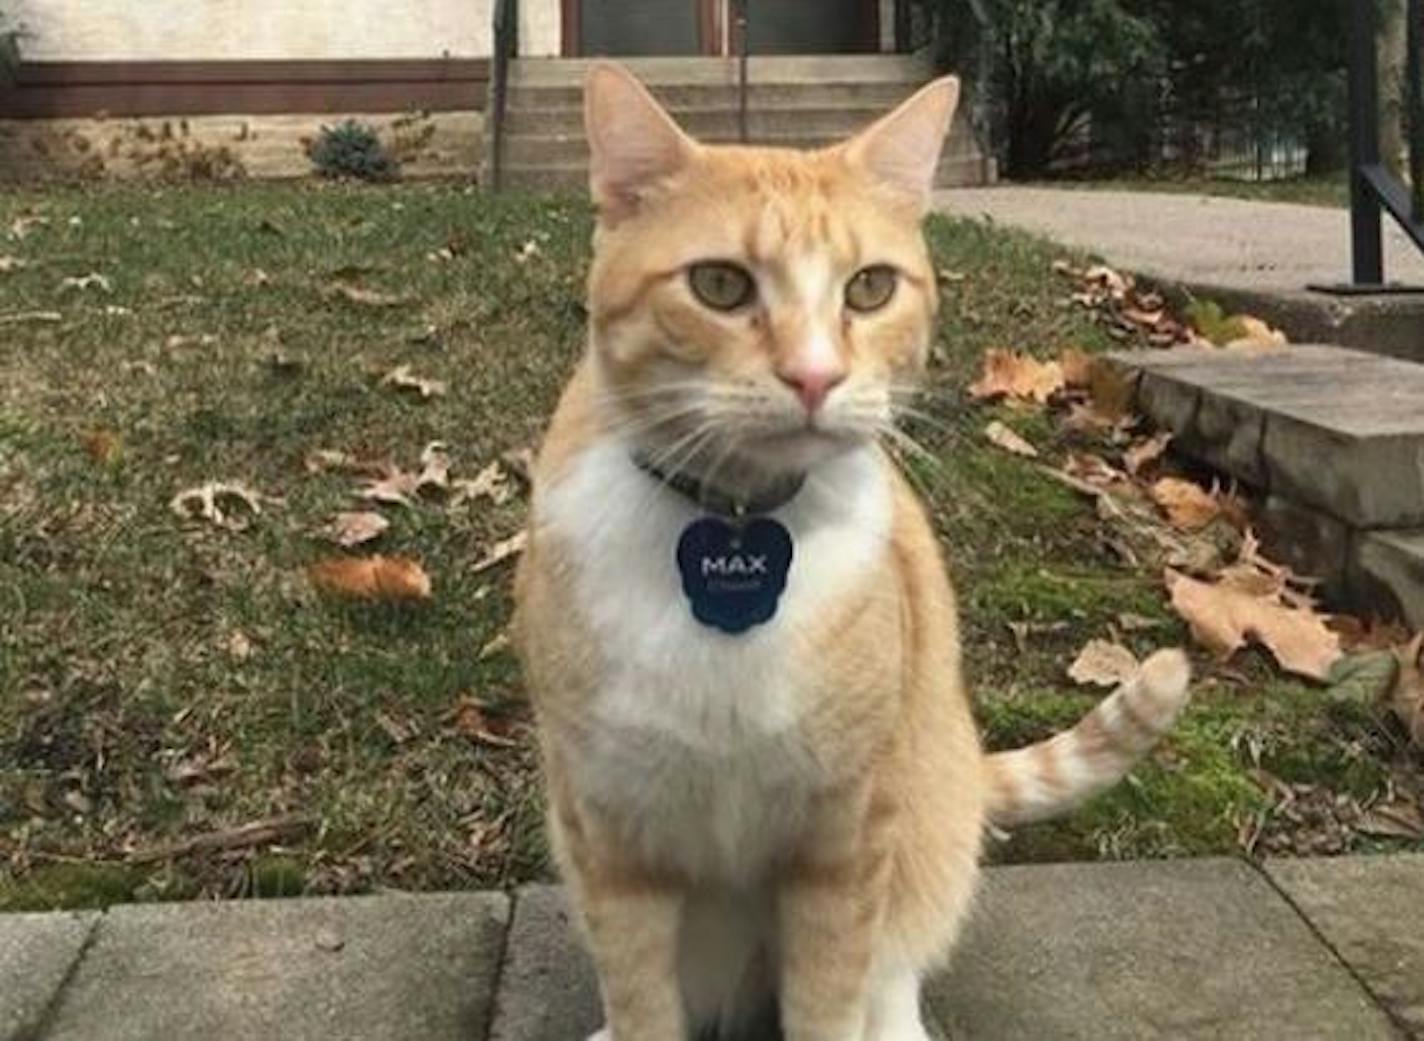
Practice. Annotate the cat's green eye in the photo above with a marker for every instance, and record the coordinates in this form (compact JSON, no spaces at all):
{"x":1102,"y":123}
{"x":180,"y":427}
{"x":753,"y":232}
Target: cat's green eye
{"x":721,"y":285}
{"x":871,"y":288}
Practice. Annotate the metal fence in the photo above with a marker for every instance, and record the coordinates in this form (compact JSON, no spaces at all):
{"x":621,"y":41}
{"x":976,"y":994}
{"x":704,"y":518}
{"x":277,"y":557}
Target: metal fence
{"x":1376,"y":186}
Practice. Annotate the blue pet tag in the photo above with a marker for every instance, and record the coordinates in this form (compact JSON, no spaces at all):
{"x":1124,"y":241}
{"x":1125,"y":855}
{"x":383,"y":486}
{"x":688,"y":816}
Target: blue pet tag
{"x":733,"y":575}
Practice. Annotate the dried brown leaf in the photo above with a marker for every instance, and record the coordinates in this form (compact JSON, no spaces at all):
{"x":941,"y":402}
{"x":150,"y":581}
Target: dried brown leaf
{"x":395,"y":487}
{"x":103,"y":446}
{"x":1407,"y":699}
{"x":320,"y":460}
{"x":371,"y":578}
{"x":434,"y":467}
{"x":1003,"y":437}
{"x":226,"y":504}
{"x":490,"y":483}
{"x":521,"y":461}
{"x":1222,"y":619}
{"x":363,"y":297}
{"x":30,"y":317}
{"x":93,"y":280}
{"x":1111,"y":391}
{"x":1372,"y":634}
{"x":1103,"y":663}
{"x":402,"y":378}
{"x":1145,"y":453}
{"x":1188,"y":507}
{"x":501,"y":551}
{"x":1397,"y":819}
{"x":355,"y":528}
{"x":22,"y":225}
{"x":1077,"y":366}
{"x":1013,"y":375}
{"x":497,"y":644}
{"x":239,"y":645}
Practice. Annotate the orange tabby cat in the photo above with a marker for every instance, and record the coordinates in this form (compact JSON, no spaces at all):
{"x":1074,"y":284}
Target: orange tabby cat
{"x":765,"y":798}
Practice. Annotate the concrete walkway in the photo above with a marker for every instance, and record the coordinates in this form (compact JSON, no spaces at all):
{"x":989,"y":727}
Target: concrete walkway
{"x":1257,"y":256}
{"x":1327,"y":950}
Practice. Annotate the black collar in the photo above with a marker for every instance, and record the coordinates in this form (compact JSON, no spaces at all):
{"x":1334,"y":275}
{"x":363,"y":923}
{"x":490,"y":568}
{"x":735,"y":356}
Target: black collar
{"x":717,"y":500}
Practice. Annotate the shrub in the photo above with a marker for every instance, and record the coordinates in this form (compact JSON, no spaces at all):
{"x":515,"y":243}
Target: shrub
{"x":352,"y":149}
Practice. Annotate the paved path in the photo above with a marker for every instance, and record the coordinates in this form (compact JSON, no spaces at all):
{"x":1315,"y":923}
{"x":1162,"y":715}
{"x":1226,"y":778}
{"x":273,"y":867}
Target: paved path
{"x":1191,"y":238}
{"x":1256,"y":257}
{"x":1329,"y":950}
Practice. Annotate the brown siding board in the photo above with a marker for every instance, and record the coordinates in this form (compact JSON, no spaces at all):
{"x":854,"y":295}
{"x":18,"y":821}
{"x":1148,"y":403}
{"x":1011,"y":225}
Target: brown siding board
{"x":81,"y":89}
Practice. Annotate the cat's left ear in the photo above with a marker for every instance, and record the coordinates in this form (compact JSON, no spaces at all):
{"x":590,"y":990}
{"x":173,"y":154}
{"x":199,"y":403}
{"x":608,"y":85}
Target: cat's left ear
{"x":902,"y":149}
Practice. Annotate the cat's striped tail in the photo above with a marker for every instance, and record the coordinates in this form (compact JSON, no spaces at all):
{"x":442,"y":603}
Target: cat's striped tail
{"x":1048,"y":778}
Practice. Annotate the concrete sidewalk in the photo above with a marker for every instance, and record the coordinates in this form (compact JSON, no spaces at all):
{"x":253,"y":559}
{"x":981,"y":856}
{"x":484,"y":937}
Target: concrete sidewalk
{"x":1298,"y":951}
{"x":1249,"y":255}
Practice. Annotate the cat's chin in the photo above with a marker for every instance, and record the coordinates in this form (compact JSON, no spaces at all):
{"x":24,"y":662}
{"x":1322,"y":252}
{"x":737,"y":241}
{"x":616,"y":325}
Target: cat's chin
{"x":797,"y":451}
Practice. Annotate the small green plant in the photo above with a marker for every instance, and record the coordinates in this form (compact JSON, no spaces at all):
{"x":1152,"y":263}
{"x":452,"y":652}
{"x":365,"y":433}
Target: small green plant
{"x":352,"y":149}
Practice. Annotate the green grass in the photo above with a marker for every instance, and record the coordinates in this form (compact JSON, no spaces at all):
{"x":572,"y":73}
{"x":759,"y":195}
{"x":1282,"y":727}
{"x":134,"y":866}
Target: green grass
{"x":1333,"y":191}
{"x":160,"y":681}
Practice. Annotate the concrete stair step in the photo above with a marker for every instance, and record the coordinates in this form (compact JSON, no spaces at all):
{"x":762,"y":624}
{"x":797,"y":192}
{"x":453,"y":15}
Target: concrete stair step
{"x":677,"y":96}
{"x":714,"y":121}
{"x":572,"y":146}
{"x":796,"y":70}
{"x":1335,"y":437}
{"x":573,"y":176}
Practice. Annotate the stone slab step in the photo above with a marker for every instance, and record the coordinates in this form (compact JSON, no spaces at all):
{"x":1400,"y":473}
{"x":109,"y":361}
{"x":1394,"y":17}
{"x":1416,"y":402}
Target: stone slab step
{"x":38,"y":952}
{"x":1336,"y":430}
{"x":301,"y":970}
{"x":1153,"y":951}
{"x":1387,"y":567}
{"x":1368,"y":909}
{"x":1186,"y":951}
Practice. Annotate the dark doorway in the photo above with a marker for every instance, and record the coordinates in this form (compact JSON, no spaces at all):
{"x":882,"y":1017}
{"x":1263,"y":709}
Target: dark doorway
{"x":823,"y":27}
{"x":645,"y":27}
{"x":673,"y":27}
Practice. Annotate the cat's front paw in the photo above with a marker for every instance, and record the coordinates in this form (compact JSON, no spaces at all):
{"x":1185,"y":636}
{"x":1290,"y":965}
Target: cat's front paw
{"x":603,"y":1035}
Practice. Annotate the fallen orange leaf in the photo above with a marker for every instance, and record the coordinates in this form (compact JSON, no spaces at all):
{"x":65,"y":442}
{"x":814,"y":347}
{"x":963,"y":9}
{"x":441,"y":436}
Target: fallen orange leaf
{"x":1222,"y":619}
{"x":1013,"y":375}
{"x":371,"y":578}
{"x":1188,"y":507}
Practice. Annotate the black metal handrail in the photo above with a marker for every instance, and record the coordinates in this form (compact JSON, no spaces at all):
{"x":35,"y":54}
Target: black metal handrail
{"x":505,"y":47}
{"x":1375,"y":188}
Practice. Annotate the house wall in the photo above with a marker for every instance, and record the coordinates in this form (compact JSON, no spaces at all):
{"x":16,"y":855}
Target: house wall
{"x":246,"y":30}
{"x":106,"y":81}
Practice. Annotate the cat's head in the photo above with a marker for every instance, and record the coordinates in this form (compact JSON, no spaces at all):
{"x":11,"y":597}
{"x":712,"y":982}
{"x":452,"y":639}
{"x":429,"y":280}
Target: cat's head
{"x":765,"y":303}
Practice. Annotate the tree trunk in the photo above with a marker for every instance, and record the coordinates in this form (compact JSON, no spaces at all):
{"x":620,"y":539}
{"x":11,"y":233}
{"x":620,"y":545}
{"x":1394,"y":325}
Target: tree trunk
{"x":1325,"y":151}
{"x":1393,"y":49}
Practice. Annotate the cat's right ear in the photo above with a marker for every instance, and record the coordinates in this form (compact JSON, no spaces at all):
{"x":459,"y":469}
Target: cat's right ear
{"x":633,"y":144}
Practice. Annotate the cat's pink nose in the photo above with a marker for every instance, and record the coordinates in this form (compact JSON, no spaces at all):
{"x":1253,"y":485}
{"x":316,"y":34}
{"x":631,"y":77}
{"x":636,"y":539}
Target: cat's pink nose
{"x":812,"y":383}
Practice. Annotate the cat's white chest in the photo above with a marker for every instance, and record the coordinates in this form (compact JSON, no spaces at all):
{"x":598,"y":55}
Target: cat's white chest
{"x":693,"y":733}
